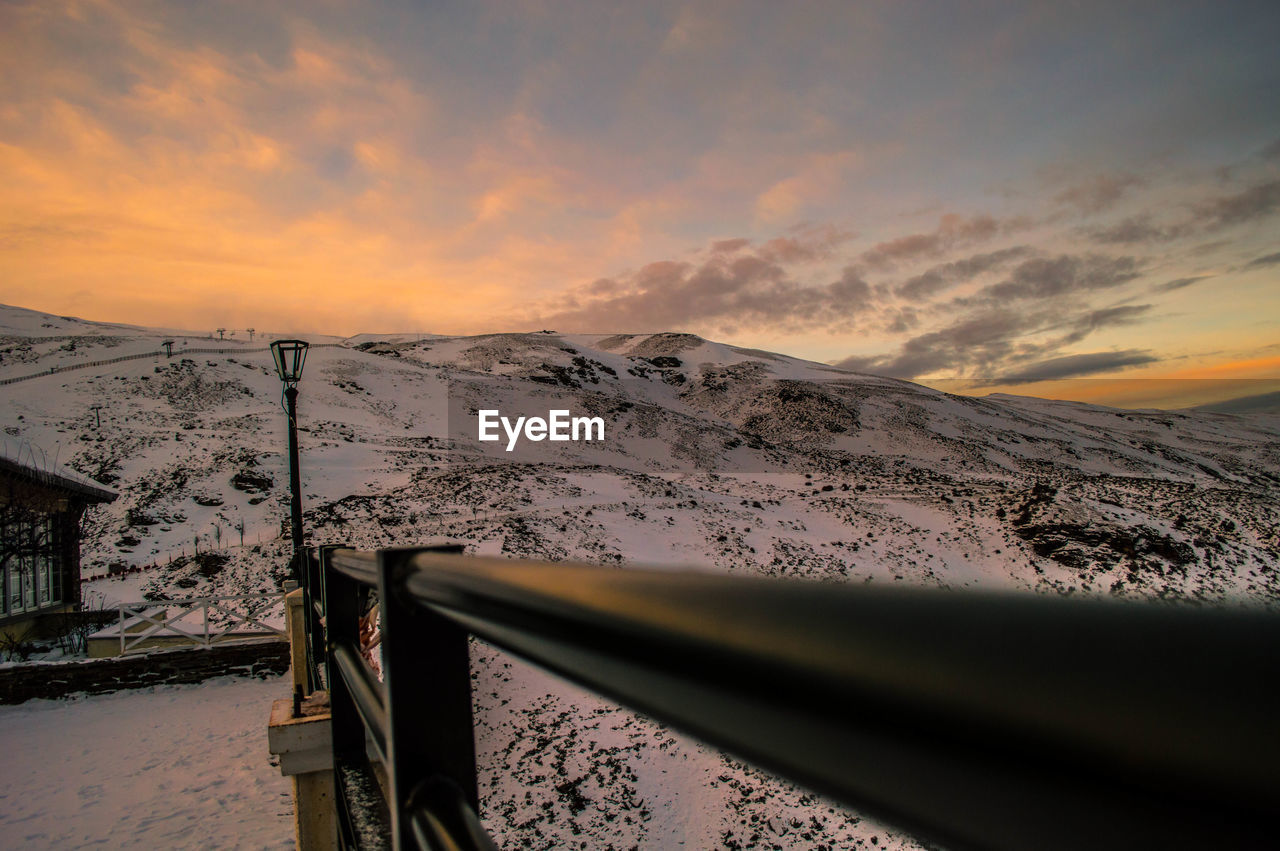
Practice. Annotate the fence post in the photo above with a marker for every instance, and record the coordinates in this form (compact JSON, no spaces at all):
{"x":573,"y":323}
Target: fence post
{"x":122,"y":629}
{"x":303,"y":737}
{"x":427,"y":678}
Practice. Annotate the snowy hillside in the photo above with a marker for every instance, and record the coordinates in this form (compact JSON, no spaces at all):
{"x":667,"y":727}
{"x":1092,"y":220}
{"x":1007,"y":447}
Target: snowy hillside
{"x":715,"y":457}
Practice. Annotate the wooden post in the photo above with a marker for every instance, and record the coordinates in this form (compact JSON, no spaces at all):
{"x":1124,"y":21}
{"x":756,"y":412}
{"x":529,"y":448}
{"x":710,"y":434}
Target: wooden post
{"x":296,"y":626}
{"x":303,"y":742}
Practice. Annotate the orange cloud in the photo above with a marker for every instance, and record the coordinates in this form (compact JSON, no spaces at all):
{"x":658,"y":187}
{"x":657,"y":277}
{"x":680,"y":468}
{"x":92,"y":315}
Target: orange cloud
{"x":819,"y":179}
{"x":180,"y":201}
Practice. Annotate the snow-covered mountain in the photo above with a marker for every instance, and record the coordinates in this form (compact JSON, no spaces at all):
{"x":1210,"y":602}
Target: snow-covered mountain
{"x":715,"y":456}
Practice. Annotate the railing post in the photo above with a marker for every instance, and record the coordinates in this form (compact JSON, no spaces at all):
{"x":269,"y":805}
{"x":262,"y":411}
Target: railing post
{"x":343,"y":599}
{"x":427,"y":677}
{"x":313,"y":595}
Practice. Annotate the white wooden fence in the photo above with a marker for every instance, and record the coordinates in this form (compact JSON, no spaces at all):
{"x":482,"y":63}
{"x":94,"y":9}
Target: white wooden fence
{"x":201,"y":621}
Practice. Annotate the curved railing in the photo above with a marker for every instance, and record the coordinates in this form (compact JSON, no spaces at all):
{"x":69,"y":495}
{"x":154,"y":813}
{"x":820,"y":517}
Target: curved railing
{"x":971,"y":719}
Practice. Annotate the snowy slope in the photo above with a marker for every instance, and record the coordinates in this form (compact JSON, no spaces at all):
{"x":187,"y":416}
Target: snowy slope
{"x":716,"y":457}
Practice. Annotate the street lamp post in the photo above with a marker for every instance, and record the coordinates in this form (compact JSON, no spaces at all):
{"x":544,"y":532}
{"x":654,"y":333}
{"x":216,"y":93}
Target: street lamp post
{"x":289,"y":356}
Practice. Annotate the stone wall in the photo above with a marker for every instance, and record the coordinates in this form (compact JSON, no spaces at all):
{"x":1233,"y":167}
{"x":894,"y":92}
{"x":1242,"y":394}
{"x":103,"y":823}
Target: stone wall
{"x":191,"y":665}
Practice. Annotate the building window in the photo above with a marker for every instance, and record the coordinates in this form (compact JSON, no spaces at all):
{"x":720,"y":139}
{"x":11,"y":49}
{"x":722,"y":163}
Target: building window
{"x":56,"y":567}
{"x":13,"y":587}
{"x":32,"y":574}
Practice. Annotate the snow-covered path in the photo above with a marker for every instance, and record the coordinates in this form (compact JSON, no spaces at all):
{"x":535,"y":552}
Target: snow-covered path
{"x":167,"y":767}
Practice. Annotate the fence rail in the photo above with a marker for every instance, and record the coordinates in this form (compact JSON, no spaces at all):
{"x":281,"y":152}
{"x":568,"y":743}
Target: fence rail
{"x":976,"y":720}
{"x":56,"y":370}
{"x":216,"y":620}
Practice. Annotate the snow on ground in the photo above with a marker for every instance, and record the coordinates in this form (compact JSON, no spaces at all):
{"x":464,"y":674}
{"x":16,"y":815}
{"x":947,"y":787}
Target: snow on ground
{"x":166,"y":767}
{"x":110,"y":591}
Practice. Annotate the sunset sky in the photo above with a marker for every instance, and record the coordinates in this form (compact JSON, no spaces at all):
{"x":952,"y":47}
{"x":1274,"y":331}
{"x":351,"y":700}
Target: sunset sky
{"x":914,"y":189}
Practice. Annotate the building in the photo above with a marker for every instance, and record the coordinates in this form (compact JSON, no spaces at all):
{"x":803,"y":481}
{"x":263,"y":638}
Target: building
{"x":40,"y":511}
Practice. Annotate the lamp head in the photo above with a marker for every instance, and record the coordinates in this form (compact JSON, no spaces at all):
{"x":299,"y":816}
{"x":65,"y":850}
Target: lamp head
{"x":289,"y":356}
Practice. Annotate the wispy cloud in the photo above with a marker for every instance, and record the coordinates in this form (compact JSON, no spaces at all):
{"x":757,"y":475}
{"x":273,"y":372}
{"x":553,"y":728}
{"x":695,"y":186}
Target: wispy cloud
{"x":996,"y":341}
{"x":1256,"y":202}
{"x":1072,"y":366}
{"x":1065,"y":274}
{"x":936,"y":279}
{"x":1084,"y":324}
{"x":1099,"y":193}
{"x":819,"y":178}
{"x":981,"y":341}
{"x":1265,"y":260}
{"x":1135,"y":230}
{"x":1179,"y":283}
{"x":717,"y":293}
{"x":953,"y":231}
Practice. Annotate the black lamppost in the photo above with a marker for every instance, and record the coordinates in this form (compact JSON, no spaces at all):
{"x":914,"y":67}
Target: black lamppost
{"x":289,"y":356}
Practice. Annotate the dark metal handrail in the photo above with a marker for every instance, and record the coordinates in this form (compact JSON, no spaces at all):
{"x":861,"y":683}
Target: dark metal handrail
{"x":355,"y":564}
{"x":366,"y":693}
{"x":974,"y":719}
